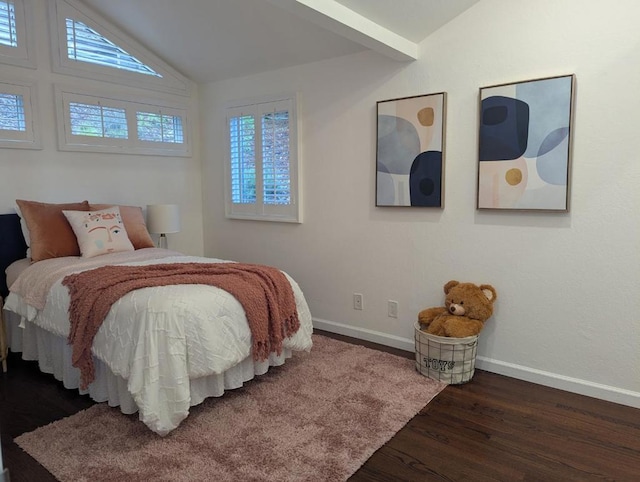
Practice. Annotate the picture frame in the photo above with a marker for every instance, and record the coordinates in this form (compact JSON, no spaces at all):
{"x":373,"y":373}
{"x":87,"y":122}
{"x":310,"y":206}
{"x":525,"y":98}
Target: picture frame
{"x":410,"y":151}
{"x":525,"y":145}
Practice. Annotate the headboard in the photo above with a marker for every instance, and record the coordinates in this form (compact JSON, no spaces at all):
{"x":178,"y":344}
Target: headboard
{"x":12,"y":246}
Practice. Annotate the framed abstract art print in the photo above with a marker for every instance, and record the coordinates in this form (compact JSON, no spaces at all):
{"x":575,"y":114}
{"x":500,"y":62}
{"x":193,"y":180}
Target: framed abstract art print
{"x":410,"y":151}
{"x":524,"y":146}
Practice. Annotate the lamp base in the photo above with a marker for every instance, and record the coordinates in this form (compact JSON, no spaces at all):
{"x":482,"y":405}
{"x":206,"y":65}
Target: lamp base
{"x":162,"y":242}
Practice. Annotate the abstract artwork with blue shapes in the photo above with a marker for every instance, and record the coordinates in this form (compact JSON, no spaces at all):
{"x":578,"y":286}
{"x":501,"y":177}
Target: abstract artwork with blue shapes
{"x":410,"y":151}
{"x":524,"y":148}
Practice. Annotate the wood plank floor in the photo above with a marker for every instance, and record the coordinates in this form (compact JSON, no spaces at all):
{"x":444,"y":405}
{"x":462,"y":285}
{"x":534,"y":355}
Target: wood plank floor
{"x":493,"y":428}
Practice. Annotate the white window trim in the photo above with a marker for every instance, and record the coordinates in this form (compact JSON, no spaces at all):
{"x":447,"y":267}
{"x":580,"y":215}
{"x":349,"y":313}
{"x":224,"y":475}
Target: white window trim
{"x":30,"y":138}
{"x":259,"y":211}
{"x":24,"y":54}
{"x":172,"y":81}
{"x":69,"y":142}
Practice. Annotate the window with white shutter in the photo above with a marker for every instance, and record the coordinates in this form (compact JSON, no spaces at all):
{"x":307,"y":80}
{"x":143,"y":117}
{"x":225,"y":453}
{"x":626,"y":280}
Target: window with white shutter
{"x":18,"y":125}
{"x":276,"y":174}
{"x":12,"y":112}
{"x":85,"y":45}
{"x":16,"y":39}
{"x":158,"y":127}
{"x":93,"y":123}
{"x":97,"y":120}
{"x":8,"y":33}
{"x":242,"y":135}
{"x":262,"y":180}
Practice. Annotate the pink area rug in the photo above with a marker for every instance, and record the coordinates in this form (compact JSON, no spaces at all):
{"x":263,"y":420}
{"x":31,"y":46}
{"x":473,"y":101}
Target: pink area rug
{"x":317,"y":418}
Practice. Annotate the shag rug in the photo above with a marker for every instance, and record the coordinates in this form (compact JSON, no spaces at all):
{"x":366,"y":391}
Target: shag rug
{"x":319,"y":417}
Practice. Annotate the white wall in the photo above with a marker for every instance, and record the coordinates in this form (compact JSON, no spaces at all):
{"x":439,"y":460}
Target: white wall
{"x":49,"y":175}
{"x":568,"y":284}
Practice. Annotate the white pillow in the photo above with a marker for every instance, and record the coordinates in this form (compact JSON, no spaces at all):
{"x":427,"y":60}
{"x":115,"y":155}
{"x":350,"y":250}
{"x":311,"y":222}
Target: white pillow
{"x":99,"y":232}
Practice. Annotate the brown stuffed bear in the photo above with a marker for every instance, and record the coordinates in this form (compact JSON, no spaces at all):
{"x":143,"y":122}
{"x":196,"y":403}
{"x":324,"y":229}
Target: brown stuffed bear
{"x":467,"y":307}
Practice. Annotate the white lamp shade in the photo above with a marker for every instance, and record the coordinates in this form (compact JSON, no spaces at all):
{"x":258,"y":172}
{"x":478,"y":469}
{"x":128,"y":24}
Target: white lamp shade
{"x":163,"y":218}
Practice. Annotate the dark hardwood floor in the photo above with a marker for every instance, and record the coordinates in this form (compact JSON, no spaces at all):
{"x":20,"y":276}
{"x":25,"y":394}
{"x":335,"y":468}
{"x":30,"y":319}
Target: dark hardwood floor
{"x":492,"y":428}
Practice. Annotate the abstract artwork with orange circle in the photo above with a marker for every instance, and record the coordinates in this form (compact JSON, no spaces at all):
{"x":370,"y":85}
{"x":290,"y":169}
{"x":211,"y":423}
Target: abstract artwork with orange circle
{"x":410,"y":151}
{"x":524,"y":147}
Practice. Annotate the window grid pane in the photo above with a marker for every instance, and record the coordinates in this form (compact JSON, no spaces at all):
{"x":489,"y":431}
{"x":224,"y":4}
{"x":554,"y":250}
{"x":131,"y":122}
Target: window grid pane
{"x":86,"y":45}
{"x":275,"y":158}
{"x":12,"y":115}
{"x":243,"y":159}
{"x":98,"y":121}
{"x":159,"y":127}
{"x":8,"y":34}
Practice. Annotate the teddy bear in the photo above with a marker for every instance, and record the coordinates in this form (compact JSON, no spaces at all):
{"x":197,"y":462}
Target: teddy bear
{"x":466,"y":308}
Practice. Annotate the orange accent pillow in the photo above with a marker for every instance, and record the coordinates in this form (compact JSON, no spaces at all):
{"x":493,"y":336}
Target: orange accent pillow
{"x":134,"y":224}
{"x":50,"y":233}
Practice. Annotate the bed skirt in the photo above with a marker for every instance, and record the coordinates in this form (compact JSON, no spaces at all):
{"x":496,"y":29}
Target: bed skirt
{"x":53,"y":355}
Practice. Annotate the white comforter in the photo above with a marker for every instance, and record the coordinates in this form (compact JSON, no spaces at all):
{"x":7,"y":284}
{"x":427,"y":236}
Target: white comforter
{"x":159,"y":338}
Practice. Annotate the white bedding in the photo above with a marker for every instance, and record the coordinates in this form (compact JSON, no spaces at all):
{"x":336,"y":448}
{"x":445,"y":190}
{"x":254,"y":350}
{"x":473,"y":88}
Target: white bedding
{"x":161,"y":339}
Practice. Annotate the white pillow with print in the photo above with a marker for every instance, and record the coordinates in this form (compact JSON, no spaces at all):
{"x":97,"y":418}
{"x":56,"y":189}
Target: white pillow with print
{"x":99,"y":232}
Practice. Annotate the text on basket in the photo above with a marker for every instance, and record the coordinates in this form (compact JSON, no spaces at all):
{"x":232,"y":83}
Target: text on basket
{"x":436,"y":364}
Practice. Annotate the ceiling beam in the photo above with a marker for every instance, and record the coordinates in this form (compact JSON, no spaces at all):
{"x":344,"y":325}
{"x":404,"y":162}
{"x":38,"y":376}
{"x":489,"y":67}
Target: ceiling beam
{"x":339,"y":19}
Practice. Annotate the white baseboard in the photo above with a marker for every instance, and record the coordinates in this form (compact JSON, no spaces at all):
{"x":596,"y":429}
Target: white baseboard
{"x":365,"y":334}
{"x":549,"y":379}
{"x":562,"y":382}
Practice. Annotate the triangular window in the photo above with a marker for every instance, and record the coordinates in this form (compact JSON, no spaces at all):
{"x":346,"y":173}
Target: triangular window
{"x":86,"y":45}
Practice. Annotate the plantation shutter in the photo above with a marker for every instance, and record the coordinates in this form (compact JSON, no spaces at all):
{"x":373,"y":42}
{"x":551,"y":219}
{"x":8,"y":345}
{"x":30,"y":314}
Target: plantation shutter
{"x":159,"y":127}
{"x":8,"y":33}
{"x":262,"y":168}
{"x":12,"y":115}
{"x":275,"y":157}
{"x":242,"y":153}
{"x":98,"y":120}
{"x":18,"y":128}
{"x":86,"y":45}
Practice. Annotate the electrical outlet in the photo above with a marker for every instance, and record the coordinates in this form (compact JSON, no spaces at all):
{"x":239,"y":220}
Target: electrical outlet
{"x":392,"y":307}
{"x":357,"y":301}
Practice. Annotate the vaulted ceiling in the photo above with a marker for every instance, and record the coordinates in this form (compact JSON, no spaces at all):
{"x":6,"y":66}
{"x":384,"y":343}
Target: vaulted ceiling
{"x":211,"y":40}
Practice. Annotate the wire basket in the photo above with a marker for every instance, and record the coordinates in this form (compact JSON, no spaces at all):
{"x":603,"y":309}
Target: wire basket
{"x":450,"y":360}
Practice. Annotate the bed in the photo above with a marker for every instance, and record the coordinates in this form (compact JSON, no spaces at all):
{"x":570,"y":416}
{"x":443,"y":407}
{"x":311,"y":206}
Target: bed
{"x":160,"y":349}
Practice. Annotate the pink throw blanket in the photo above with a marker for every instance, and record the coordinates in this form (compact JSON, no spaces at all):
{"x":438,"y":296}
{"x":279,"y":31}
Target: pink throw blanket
{"x":35,"y":282}
{"x":264,"y":293}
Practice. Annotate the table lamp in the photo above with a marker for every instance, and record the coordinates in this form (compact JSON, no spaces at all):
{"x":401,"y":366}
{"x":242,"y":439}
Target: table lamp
{"x":163,"y":219}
